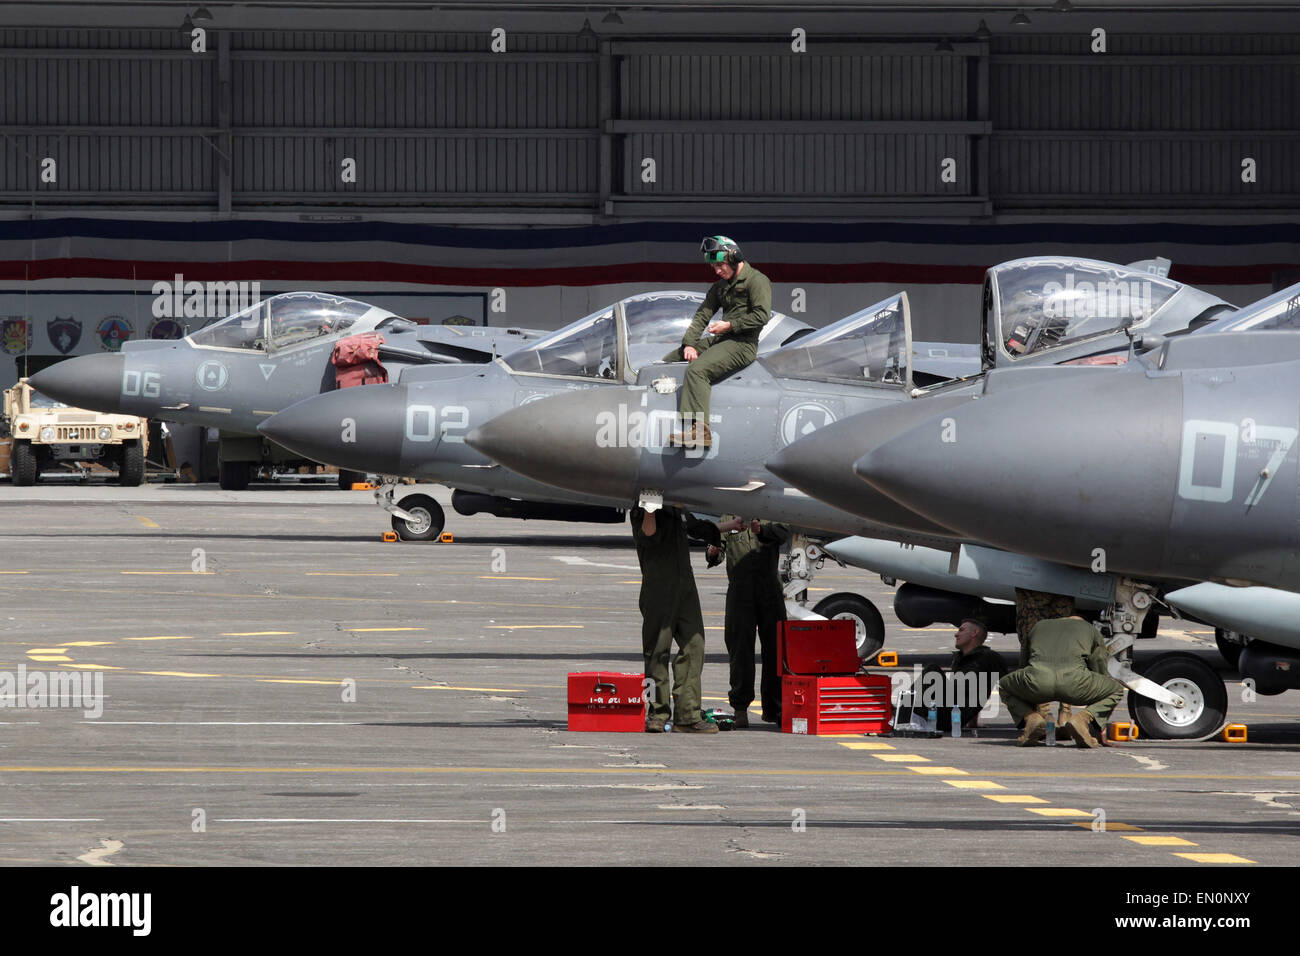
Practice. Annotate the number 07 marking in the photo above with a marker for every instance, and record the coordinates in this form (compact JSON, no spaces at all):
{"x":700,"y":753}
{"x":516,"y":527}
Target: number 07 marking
{"x":1221,"y":491}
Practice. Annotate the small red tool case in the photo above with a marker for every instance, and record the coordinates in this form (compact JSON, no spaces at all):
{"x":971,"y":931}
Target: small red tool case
{"x":601,"y":700}
{"x":821,"y":689}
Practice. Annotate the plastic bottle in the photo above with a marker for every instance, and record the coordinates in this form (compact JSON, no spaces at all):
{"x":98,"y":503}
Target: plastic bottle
{"x":668,"y":726}
{"x":932,"y":720}
{"x":956,"y":722}
{"x":1051,"y":733}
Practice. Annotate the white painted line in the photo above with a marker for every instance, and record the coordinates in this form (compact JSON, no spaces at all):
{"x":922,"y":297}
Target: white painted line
{"x":51,"y":819}
{"x":341,"y":820}
{"x":96,"y":856}
{"x":228,"y":723}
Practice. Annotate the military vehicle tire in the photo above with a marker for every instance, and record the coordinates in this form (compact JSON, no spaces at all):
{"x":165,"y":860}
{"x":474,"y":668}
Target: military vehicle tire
{"x":349,"y":478}
{"x":1230,"y":645}
{"x":1197,"y":683}
{"x":429,"y":519}
{"x":22,"y":464}
{"x":130,"y":472}
{"x":233,"y":475}
{"x":847,"y":606}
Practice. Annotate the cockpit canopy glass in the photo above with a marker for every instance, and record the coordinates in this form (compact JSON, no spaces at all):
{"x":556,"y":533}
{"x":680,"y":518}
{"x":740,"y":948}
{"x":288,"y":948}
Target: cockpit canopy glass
{"x":1043,"y":303}
{"x":586,"y":349}
{"x":868,"y":347}
{"x":660,"y":317}
{"x":1279,"y":312}
{"x":292,"y":317}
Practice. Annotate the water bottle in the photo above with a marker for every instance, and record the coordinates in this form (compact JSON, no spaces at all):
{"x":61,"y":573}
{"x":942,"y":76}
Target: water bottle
{"x":668,"y":726}
{"x":1051,"y":732}
{"x":932,"y":720}
{"x":956,"y":721}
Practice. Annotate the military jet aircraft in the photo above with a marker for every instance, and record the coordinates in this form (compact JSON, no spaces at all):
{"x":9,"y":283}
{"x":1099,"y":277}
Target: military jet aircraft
{"x":235,"y":372}
{"x":416,"y":428}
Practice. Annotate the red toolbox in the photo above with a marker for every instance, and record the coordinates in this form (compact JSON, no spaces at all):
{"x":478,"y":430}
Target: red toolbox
{"x":602,"y":700}
{"x":821,"y":690}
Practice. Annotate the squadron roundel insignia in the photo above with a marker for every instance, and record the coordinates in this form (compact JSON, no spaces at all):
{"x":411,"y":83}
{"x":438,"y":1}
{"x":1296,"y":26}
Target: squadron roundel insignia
{"x":212,"y":376}
{"x":804,"y":419}
{"x":15,"y":335}
{"x":166,"y":329}
{"x":112,"y":331}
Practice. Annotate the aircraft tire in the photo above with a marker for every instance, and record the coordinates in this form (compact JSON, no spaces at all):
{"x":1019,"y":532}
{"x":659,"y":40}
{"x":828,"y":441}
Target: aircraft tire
{"x":233,"y":475}
{"x":1194,"y":680}
{"x":1230,"y":645}
{"x":22,"y":466}
{"x":847,"y":606}
{"x":130,"y":472}
{"x":429,"y":522}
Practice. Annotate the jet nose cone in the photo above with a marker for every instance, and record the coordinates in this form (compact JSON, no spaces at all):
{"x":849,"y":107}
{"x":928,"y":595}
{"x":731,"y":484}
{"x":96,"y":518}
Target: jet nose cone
{"x":359,"y":428}
{"x":88,"y":381}
{"x":571,"y":441}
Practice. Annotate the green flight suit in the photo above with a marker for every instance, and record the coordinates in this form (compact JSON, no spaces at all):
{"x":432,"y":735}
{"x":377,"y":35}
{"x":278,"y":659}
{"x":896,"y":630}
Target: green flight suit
{"x":754,"y":601}
{"x":670,"y":610}
{"x":746,"y":302}
{"x":1067,"y":662}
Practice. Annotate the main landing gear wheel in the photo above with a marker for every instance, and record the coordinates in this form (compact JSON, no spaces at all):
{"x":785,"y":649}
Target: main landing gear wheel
{"x":870,"y":626}
{"x":1200,"y":687}
{"x":1230,"y":645}
{"x":427,"y":519}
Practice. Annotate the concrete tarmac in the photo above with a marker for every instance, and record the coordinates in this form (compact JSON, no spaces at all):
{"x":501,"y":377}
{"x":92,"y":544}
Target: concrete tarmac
{"x":282,"y":687}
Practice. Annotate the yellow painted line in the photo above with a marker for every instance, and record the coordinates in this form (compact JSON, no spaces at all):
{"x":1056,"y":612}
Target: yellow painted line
{"x":15,"y":572}
{"x":176,"y":674}
{"x":88,"y":643}
{"x":195,"y":573}
{"x":162,"y":637}
{"x":1119,"y":827}
{"x":535,"y":627}
{"x":497,"y":690}
{"x":286,"y":680}
{"x":373,"y":630}
{"x":258,"y":633}
{"x":95,"y":667}
{"x":1057,"y":812}
{"x":940,"y":771}
{"x":48,"y":650}
{"x":637,"y":581}
{"x":1214,"y":858}
{"x":975,"y":785}
{"x":1012,"y":798}
{"x":902,"y":758}
{"x":146,"y":521}
{"x":352,"y":574}
{"x":865,"y":745}
{"x":49,"y":657}
{"x":502,"y":577}
{"x":1159,"y":840}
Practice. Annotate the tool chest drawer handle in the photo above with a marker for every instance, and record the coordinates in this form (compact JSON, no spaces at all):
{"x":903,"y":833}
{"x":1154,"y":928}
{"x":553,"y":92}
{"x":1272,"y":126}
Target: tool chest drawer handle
{"x":602,"y":686}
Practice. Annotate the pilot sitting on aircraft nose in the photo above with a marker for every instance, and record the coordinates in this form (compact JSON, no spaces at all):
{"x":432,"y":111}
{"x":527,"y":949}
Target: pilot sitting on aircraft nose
{"x":744,"y":295}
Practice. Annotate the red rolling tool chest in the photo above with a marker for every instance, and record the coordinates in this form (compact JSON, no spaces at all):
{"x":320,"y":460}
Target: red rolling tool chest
{"x":821,"y":689}
{"x":601,"y":700}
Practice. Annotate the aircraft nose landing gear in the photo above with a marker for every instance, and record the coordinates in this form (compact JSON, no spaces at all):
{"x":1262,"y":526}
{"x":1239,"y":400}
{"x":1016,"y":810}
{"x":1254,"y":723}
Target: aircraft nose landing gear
{"x":415,"y":517}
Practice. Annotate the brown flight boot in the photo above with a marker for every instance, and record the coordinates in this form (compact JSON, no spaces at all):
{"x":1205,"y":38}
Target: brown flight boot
{"x":1063,"y":713}
{"x":702,"y":727}
{"x":1035,"y":729}
{"x":695,"y":436}
{"x":655,"y":725}
{"x":1079,"y":726}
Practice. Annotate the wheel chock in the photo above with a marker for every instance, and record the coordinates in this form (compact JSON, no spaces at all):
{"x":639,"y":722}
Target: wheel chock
{"x":1121,"y":730}
{"x":887,"y":659}
{"x":1235,"y":733}
{"x":446,"y":537}
{"x":363,"y":486}
{"x":390,"y":536}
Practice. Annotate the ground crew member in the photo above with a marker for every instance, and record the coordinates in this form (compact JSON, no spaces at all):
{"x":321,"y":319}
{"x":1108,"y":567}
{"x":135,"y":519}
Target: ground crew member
{"x":1067,"y":662}
{"x":744,"y":296}
{"x":754,"y":600}
{"x":670,"y":610}
{"x":1032,"y":607}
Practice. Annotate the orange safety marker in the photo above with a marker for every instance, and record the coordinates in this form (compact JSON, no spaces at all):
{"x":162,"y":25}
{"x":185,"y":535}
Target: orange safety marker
{"x":1121,"y":730}
{"x":390,"y":536}
{"x":446,"y":537}
{"x":363,"y":486}
{"x":887,"y":659}
{"x":1235,"y":733}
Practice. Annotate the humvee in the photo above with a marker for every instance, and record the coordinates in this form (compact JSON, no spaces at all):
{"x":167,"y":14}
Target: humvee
{"x":45,"y":432}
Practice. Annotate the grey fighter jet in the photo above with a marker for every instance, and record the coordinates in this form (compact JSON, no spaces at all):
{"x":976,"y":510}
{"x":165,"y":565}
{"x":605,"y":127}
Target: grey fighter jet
{"x":416,"y":428}
{"x":234,"y":373}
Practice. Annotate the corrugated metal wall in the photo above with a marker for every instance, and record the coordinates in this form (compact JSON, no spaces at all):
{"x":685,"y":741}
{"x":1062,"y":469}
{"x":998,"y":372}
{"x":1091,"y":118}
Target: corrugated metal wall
{"x":564,"y":123}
